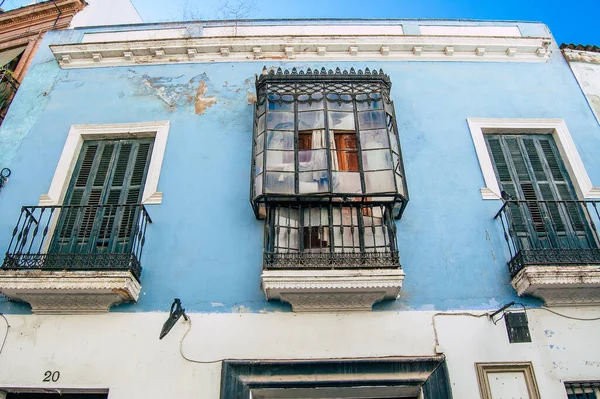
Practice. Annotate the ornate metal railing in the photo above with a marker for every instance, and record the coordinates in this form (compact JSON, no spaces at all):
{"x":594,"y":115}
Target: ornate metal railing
{"x":330,"y":236}
{"x":365,"y":260}
{"x":8,"y":89}
{"x":87,"y":238}
{"x":4,"y":175}
{"x":550,"y":232}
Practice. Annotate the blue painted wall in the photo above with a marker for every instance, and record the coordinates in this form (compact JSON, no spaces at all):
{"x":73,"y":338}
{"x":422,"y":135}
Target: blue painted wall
{"x":205,"y":246}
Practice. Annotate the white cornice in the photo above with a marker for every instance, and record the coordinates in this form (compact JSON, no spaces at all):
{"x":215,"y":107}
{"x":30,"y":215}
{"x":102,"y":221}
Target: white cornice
{"x":572,"y":285}
{"x":69,"y":292}
{"x":332,"y":290}
{"x":304,"y":48}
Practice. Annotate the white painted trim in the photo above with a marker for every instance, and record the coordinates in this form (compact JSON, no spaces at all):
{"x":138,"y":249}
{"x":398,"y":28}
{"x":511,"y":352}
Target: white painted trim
{"x":304,"y":48}
{"x":449,"y":30}
{"x":302,"y":30}
{"x":150,"y":34}
{"x":562,"y":137}
{"x":78,"y":133}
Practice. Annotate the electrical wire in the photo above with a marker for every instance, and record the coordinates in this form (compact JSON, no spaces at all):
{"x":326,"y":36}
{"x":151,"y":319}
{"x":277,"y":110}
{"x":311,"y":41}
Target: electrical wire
{"x":563,"y":315}
{"x":5,"y":335}
{"x":435,"y":333}
{"x":189,"y":321}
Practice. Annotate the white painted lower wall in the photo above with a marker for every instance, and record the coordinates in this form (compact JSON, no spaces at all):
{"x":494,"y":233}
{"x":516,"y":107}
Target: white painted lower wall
{"x":121,"y":351}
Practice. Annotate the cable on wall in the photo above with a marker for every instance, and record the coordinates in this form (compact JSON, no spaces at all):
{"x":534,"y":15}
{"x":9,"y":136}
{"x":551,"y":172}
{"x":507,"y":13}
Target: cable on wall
{"x":6,"y":334}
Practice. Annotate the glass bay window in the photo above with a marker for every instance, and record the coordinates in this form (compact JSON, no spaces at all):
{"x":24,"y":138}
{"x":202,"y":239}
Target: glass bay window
{"x":326,"y":136}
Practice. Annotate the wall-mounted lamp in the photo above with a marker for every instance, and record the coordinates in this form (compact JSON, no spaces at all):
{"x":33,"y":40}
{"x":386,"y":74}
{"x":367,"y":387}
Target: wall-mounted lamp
{"x":4,"y":174}
{"x":176,"y":312}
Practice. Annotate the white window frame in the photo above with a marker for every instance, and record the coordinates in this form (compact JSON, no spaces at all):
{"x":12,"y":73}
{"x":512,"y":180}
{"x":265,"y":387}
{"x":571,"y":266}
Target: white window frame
{"x":485,"y":370}
{"x":159,"y":130}
{"x":559,"y":131}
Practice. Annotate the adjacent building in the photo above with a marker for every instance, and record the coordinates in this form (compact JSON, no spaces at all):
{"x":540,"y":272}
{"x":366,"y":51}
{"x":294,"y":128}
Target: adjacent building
{"x":301,"y":209}
{"x":585,"y":64}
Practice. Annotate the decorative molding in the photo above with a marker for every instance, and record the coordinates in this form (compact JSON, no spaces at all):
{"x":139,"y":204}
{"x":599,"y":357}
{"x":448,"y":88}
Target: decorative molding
{"x":573,"y":285}
{"x":68,"y":292}
{"x":560,"y":133}
{"x":304,"y":48}
{"x":332,"y":290}
{"x":78,"y":133}
{"x":423,"y":377}
{"x":485,"y":370}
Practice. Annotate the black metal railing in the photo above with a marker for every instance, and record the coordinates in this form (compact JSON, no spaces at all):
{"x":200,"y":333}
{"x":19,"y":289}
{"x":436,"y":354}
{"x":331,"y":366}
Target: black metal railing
{"x":84,"y":237}
{"x":550,"y":232}
{"x":330,"y":236}
{"x":8,"y":89}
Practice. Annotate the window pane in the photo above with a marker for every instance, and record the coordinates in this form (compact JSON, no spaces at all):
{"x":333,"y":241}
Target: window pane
{"x":394,"y":142}
{"x":346,"y":239}
{"x":313,"y":182}
{"x":376,"y":160}
{"x":316,"y":239}
{"x":345,"y":215}
{"x":280,"y":121}
{"x":280,"y":140}
{"x":258,"y":185}
{"x":370,"y":139}
{"x":311,"y":120}
{"x":312,"y":160}
{"x":371,"y":120}
{"x":287,"y":103}
{"x":341,"y":120}
{"x":379,"y":182}
{"x":338,"y":102}
{"x":258,"y":163}
{"x":364,"y":106}
{"x":261,"y":124}
{"x":315,"y":105}
{"x":279,"y":182}
{"x":261,"y":108}
{"x":287,"y":240}
{"x":311,"y":139}
{"x":346,"y":182}
{"x":399,"y":180}
{"x":280,"y":160}
{"x":316,"y":216}
{"x":260,"y":142}
{"x":288,"y":216}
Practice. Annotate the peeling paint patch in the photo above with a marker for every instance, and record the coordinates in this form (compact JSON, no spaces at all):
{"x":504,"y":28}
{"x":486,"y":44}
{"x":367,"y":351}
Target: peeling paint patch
{"x":487,"y":237}
{"x":201,"y":100}
{"x":549,"y":333}
{"x":251,"y":96}
{"x":241,"y":309}
{"x":175,"y":91}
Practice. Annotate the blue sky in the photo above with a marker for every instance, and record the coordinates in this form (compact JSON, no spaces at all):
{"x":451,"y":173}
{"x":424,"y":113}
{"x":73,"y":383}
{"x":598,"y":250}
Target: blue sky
{"x":575,"y":21}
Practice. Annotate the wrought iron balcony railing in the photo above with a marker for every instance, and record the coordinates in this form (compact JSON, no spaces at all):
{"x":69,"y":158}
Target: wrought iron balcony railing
{"x":551,"y":233}
{"x":8,"y":89}
{"x":330,"y":236}
{"x":79,"y":238}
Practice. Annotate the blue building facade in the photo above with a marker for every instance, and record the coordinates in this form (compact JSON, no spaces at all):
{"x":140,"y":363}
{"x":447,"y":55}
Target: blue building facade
{"x":191,"y":91}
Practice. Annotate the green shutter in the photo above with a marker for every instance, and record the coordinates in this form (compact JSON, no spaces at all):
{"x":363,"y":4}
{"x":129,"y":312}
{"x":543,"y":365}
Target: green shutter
{"x":529,"y":168}
{"x":108,"y":172}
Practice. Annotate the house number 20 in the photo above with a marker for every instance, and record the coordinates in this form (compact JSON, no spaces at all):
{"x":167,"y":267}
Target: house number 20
{"x":51,"y":376}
